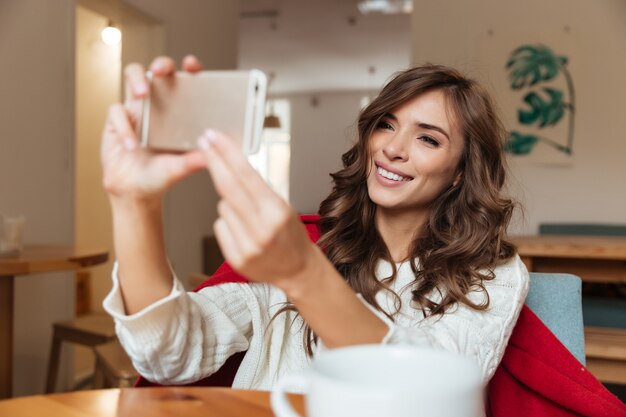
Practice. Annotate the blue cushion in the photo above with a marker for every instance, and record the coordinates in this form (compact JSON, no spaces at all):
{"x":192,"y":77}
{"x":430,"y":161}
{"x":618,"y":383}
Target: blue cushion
{"x":556,"y":300}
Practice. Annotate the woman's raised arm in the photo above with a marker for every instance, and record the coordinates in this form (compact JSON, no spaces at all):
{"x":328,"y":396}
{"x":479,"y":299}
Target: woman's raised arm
{"x":136,"y":180}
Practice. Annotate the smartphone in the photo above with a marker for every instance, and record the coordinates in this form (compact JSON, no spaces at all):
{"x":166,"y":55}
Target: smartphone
{"x":181,"y":107}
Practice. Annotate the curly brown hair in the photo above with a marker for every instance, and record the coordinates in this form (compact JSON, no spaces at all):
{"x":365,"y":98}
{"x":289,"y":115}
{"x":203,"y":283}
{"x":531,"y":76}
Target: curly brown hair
{"x":464,"y":238}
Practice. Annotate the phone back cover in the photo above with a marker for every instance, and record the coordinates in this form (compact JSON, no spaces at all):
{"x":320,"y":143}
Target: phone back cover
{"x":182,"y":107}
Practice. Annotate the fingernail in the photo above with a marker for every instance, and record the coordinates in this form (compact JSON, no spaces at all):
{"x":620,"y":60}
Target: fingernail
{"x":141,"y":89}
{"x":203,"y":143}
{"x":158,"y":66}
{"x":210,"y":135}
{"x":130,"y":144}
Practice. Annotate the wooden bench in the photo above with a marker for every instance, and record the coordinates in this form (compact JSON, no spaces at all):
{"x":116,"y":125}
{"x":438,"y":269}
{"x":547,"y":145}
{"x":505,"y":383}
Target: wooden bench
{"x":605,"y":348}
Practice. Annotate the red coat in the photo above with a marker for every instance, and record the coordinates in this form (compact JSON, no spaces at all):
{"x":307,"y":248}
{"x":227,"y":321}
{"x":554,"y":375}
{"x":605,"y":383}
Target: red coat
{"x":538,"y":376}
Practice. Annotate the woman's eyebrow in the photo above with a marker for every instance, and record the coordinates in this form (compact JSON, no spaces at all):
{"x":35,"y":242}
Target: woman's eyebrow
{"x":433,"y":127}
{"x":423,"y":125}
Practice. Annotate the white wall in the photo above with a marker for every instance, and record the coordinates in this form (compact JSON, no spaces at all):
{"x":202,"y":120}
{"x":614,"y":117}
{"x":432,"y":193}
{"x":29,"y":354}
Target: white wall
{"x":36,"y":164}
{"x":592,"y":187}
{"x":320,"y":134}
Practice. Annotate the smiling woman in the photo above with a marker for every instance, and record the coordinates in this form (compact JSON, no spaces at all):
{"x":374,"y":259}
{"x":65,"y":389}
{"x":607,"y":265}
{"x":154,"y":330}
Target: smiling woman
{"x":410,"y":139}
{"x":412,"y":246}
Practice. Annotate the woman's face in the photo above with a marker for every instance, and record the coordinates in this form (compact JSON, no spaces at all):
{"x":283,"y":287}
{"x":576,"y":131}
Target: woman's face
{"x":414,"y":154}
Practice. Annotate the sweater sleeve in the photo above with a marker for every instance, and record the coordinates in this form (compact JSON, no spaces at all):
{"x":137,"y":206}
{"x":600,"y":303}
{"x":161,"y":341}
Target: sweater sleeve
{"x":184,"y":337}
{"x":479,"y":335}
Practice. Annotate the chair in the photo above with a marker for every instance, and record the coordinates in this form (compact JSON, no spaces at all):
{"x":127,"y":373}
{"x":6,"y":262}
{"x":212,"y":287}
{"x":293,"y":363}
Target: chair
{"x":583,"y":229}
{"x":114,"y":368}
{"x":90,"y":330}
{"x":556,"y":300}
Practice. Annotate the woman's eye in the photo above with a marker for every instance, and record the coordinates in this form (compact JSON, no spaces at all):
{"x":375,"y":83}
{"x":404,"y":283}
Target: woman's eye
{"x":384,"y":125}
{"x":429,"y":141}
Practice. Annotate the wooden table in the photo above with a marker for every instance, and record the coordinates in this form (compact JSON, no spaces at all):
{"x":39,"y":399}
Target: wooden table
{"x":592,"y":258}
{"x":149,"y":402}
{"x":34,"y":259}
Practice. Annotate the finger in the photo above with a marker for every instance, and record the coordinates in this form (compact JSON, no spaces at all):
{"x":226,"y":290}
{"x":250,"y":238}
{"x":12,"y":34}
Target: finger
{"x":236,"y":162}
{"x":192,"y":64}
{"x":244,"y":240}
{"x":137,"y":86}
{"x":227,"y":183}
{"x":163,"y":65}
{"x":120,"y":122}
{"x":195,"y":159}
{"x":174,"y":168}
{"x":270,"y":209}
{"x":227,"y":243}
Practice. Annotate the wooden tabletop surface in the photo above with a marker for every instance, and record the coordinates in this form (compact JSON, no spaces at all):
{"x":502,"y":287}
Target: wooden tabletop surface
{"x":580,"y":247}
{"x":49,"y":258}
{"x":149,"y":402}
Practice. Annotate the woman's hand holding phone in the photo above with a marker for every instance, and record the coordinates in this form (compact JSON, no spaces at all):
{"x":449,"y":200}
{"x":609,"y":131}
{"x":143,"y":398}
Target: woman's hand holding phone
{"x":260,"y":234}
{"x":131,"y":172}
{"x":135,"y":179}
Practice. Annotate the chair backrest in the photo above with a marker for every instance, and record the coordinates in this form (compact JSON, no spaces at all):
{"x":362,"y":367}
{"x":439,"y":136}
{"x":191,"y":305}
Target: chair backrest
{"x":585,"y":229}
{"x":556,"y":300}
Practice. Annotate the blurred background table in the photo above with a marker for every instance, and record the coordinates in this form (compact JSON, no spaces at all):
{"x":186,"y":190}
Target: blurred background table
{"x":592,"y":258}
{"x":33,"y":259}
{"x":152,"y":402}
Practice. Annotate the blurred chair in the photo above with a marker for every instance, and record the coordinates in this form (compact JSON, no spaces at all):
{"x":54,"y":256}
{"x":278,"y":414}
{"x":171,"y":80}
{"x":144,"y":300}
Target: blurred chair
{"x":556,"y":300}
{"x":89,"y":330}
{"x":114,"y":368}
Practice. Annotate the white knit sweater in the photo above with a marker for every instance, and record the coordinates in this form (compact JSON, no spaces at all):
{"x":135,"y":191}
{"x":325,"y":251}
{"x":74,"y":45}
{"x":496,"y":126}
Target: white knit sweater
{"x":187,"y":336}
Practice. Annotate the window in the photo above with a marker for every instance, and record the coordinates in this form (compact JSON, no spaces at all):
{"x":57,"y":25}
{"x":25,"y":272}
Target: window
{"x":272,"y":160}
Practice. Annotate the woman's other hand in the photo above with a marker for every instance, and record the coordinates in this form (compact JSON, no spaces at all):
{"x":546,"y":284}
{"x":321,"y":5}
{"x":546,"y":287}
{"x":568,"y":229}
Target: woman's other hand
{"x":129,"y":170}
{"x":262,"y":237}
{"x":259,"y":233}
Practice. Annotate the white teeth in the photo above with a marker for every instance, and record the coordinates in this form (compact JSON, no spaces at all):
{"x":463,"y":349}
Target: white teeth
{"x":390,"y":175}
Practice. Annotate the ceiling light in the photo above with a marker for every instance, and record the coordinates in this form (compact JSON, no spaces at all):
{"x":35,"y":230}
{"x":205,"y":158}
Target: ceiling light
{"x":386,"y":6}
{"x":111,"y":35}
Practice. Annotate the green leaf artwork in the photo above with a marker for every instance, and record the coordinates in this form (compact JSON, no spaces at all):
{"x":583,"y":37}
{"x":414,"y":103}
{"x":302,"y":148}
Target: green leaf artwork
{"x":547,"y":113}
{"x":528,"y":66}
{"x":518,"y":144}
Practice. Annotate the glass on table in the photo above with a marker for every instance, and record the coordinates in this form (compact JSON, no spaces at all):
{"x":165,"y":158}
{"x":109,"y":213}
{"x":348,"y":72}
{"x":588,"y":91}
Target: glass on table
{"x":11,"y":231}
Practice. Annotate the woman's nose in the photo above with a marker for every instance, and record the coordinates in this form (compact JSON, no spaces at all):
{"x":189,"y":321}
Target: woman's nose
{"x":396,"y":148}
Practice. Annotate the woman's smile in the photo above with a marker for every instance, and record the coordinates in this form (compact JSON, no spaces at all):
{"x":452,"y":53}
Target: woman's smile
{"x":389,"y":176}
